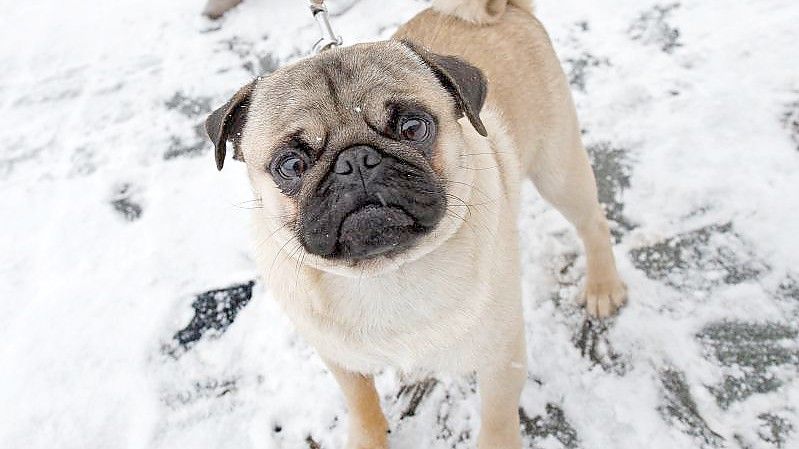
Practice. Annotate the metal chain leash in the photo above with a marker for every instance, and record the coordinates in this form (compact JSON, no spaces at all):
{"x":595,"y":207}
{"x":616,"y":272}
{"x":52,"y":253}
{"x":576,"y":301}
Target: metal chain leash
{"x":329,"y":38}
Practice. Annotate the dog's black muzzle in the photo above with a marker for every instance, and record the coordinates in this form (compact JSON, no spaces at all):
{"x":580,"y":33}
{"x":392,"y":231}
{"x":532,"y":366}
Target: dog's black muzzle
{"x":370,"y":204}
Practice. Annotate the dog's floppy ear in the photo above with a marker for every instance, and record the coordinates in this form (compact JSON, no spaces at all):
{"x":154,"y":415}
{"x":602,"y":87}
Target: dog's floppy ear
{"x":227,"y":122}
{"x":465,"y":82}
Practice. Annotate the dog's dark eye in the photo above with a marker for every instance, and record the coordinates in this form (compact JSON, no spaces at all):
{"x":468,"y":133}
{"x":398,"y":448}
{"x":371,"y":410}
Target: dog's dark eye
{"x":414,"y":129}
{"x":291,"y":166}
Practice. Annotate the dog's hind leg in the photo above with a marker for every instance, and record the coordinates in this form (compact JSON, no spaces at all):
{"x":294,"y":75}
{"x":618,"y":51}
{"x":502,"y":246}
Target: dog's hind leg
{"x":562,"y":174}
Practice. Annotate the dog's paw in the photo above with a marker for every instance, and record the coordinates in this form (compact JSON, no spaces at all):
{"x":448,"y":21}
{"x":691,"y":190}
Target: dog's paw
{"x":603,"y":298}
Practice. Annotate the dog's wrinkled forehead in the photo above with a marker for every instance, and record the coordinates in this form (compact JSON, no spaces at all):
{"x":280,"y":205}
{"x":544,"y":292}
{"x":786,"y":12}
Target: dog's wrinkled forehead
{"x":343,"y":89}
{"x":344,"y":85}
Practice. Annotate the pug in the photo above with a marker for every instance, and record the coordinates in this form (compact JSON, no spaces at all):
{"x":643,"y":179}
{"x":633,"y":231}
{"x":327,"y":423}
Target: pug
{"x":388,"y":179}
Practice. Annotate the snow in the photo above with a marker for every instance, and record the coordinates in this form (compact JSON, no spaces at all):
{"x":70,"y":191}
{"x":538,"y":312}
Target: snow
{"x":115,"y":221}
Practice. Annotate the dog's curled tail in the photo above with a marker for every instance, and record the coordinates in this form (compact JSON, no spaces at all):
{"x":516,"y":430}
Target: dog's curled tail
{"x":479,"y":11}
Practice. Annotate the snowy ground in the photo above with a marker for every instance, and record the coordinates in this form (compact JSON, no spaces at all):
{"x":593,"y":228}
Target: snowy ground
{"x":116,"y":229}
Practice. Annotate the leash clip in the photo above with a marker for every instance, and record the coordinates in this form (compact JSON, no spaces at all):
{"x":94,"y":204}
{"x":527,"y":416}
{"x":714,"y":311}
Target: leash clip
{"x":329,"y":38}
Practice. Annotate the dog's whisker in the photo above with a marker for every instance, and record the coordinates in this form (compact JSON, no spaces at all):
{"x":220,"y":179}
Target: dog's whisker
{"x":282,"y":247}
{"x":454,"y":215}
{"x":275,"y":217}
{"x":464,"y":203}
{"x":479,"y":168}
{"x":382,"y":200}
{"x":360,"y":278}
{"x":475,"y":188}
{"x":272,"y":266}
{"x":298,"y":267}
{"x":486,"y":153}
{"x":263,"y":240}
{"x":469,"y":216}
{"x":258,"y":201}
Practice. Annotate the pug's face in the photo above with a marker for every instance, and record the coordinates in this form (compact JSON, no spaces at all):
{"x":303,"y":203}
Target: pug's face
{"x":355,"y":152}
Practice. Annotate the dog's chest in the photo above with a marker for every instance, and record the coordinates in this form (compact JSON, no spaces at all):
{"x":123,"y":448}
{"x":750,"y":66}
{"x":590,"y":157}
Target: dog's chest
{"x":415,"y":318}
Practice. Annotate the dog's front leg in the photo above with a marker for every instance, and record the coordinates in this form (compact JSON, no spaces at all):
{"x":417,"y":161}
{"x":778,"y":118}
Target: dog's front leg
{"x":500,"y":387}
{"x":368,"y":426}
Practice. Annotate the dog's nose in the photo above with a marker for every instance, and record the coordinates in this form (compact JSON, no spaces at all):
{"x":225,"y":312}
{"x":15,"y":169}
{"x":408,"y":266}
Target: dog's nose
{"x":360,"y":158}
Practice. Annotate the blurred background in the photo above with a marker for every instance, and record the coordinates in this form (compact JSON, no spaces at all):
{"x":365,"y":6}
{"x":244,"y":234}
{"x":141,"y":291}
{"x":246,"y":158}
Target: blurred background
{"x":131,"y":315}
